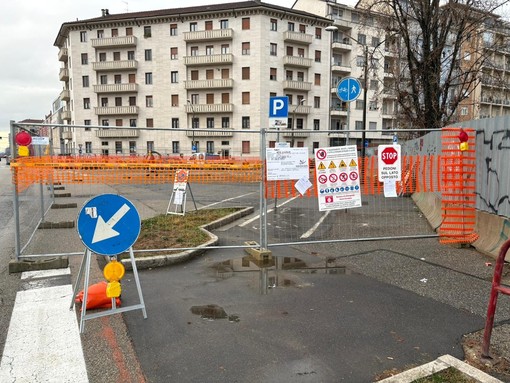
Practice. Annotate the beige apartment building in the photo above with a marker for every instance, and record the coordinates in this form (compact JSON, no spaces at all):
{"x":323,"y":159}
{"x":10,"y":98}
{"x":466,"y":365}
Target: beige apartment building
{"x":210,"y":69}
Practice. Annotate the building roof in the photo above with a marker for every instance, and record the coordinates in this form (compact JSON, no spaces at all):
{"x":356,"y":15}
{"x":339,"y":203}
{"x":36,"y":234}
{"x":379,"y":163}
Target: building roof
{"x":181,"y":13}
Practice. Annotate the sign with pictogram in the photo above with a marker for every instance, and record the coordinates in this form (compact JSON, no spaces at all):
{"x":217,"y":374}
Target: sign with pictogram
{"x":278,"y":112}
{"x":348,"y":89}
{"x":337,"y":190}
{"x":389,"y":162}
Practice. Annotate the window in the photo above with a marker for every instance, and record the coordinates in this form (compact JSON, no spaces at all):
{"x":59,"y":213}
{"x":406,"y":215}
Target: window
{"x":290,"y":51}
{"x":118,"y":101}
{"x":209,"y":98}
{"x":245,"y":23}
{"x":175,"y":147}
{"x":83,"y":36}
{"x":318,"y":33}
{"x":225,"y":98}
{"x":147,"y":31}
{"x":272,"y":74}
{"x":317,"y":79}
{"x":375,"y":41}
{"x":225,"y":122}
{"x":132,"y":101}
{"x":118,"y":147}
{"x":149,"y":123}
{"x":288,"y":75}
{"x":132,"y":147}
{"x":362,"y":39}
{"x":131,"y":55}
{"x":105,"y":122}
{"x":85,"y":81}
{"x":193,"y":51}
{"x":290,"y":26}
{"x":88,"y":147}
{"x":148,"y":78}
{"x":210,"y":122}
{"x":193,"y":26}
{"x":175,"y":100}
{"x":245,"y":48}
{"x":174,"y":77}
{"x":150,"y":146}
{"x":103,"y":79}
{"x":358,"y":125}
{"x":132,"y":122}
{"x":245,"y":98}
{"x":354,"y":17}
{"x":173,"y":53}
{"x":273,"y":24}
{"x":316,"y":124}
{"x":148,"y":101}
{"x":100,"y":33}
{"x":175,"y":123}
{"x":225,"y":73}
{"x":208,"y":25}
{"x":245,"y":73}
{"x":372,"y":105}
{"x":209,"y":145}
{"x":374,"y":84}
{"x":209,"y":74}
{"x":245,"y":122}
{"x":301,"y":52}
{"x":225,"y":49}
{"x":223,"y":24}
{"x":194,"y":75}
{"x":209,"y":50}
{"x":132,"y":78}
{"x":464,"y":111}
{"x":148,"y":55}
{"x":129,"y":31}
{"x":245,"y":147}
{"x":317,"y":56}
{"x":299,"y":123}
{"x":316,"y":102}
{"x":117,"y":79}
{"x":104,"y":102}
{"x":301,"y":76}
{"x":359,"y":104}
{"x":86,"y":103}
{"x":302,"y":28}
{"x":360,"y":61}
{"x":84,"y":59}
{"x":116,"y":56}
{"x":273,"y":49}
{"x":195,"y":123}
{"x":173,"y":29}
{"x":194,"y":98}
{"x":102,"y":56}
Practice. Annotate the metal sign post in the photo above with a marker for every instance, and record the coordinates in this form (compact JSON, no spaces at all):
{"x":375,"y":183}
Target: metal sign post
{"x":108,"y":224}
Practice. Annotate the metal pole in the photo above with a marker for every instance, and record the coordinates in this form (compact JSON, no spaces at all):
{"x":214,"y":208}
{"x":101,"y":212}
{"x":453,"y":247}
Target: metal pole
{"x":365,"y":91}
{"x":263,"y":202}
{"x":15,"y":204}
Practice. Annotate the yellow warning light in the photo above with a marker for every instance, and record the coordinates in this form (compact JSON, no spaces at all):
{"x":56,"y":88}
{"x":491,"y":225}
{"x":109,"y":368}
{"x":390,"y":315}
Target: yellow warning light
{"x":113,"y":289}
{"x":114,"y":271}
{"x":23,"y":151}
{"x":464,"y":146}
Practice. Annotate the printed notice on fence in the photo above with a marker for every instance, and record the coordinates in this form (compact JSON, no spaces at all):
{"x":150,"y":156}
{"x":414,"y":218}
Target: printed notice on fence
{"x":287,"y":164}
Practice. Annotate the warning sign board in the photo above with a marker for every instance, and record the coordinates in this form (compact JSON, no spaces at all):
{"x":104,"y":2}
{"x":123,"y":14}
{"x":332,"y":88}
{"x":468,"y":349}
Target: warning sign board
{"x":389,"y":163}
{"x":181,"y":179}
{"x":338,"y":185}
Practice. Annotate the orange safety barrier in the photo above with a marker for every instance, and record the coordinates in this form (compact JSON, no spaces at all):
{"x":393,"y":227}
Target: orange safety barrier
{"x":458,"y":183}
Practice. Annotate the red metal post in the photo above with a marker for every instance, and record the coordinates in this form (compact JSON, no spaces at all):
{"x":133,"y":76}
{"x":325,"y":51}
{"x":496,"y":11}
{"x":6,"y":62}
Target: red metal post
{"x":496,"y":289}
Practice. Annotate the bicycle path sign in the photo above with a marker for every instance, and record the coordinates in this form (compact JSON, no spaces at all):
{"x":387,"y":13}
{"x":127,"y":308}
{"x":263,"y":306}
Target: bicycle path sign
{"x":348,"y":89}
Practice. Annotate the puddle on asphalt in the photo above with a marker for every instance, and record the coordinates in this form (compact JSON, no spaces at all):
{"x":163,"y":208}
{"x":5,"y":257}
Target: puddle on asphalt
{"x":274,"y":271}
{"x":213,"y":312}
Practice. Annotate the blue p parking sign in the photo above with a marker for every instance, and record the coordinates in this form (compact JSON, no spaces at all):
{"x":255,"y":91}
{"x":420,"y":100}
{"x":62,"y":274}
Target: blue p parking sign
{"x":279,"y":107}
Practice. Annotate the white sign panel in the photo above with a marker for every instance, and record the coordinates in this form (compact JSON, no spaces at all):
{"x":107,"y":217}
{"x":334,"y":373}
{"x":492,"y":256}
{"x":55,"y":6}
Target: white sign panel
{"x":389,"y":163}
{"x":337,"y":177}
{"x":40,"y":140}
{"x":286,"y":163}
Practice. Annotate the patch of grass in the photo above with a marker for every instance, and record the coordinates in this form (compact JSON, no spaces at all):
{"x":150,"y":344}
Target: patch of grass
{"x":176,"y":231}
{"x":449,"y":375}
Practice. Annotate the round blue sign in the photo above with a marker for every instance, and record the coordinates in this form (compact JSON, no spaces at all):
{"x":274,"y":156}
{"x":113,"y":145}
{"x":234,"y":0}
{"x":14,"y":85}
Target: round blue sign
{"x":348,"y":89}
{"x":108,"y":224}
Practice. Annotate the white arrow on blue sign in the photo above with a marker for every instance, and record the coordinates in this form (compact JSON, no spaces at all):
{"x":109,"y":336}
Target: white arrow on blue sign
{"x":108,"y":224}
{"x":348,"y":89}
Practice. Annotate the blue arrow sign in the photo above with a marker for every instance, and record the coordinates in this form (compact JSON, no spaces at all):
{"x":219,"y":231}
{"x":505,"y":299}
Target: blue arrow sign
{"x":348,"y":89}
{"x":108,"y":224}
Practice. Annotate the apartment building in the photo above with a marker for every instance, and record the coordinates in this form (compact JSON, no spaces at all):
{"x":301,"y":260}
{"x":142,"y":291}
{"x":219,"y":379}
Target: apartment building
{"x":210,"y":69}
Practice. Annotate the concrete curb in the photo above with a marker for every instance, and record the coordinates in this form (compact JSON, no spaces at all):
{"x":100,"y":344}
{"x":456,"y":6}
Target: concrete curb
{"x":170,"y":259}
{"x":438,"y":365}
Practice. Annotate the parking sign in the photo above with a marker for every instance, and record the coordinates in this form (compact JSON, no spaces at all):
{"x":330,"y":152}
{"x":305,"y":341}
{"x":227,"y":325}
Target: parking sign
{"x":278,"y":112}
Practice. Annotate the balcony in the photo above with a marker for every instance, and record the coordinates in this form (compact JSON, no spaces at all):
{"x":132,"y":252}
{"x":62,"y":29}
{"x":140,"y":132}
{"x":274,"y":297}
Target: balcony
{"x":297,"y":85}
{"x":209,"y":84}
{"x":66,"y":115}
{"x":115,"y":110}
{"x":114,"y":42}
{"x":115,"y":65}
{"x":117,"y":133}
{"x":209,"y":59}
{"x":343,"y":45}
{"x":296,"y":133}
{"x":65,"y":95}
{"x":67,"y":135}
{"x":300,"y":109}
{"x":116,"y":88}
{"x":297,"y":37}
{"x":338,"y":111}
{"x":63,"y":74}
{"x":210,"y":35}
{"x":338,"y":67}
{"x":209,"y":133}
{"x":296,"y":61}
{"x":63,"y":54}
{"x":209,"y":108}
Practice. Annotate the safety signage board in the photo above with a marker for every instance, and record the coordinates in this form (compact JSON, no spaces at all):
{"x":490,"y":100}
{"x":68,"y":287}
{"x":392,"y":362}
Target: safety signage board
{"x":286,"y":164}
{"x":389,"y":163}
{"x":108,"y":224}
{"x":278,"y":112}
{"x":181,"y":179}
{"x":337,"y":173}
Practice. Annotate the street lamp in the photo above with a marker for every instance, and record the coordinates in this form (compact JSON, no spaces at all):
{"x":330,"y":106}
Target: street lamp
{"x":192,"y":126}
{"x":294,"y":122}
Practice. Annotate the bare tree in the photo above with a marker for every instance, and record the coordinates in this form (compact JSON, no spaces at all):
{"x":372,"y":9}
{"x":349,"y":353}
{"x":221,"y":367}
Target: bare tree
{"x":443,"y":49}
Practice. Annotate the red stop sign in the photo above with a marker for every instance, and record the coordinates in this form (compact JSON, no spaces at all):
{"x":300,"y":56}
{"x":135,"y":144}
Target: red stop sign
{"x":389,"y":156}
